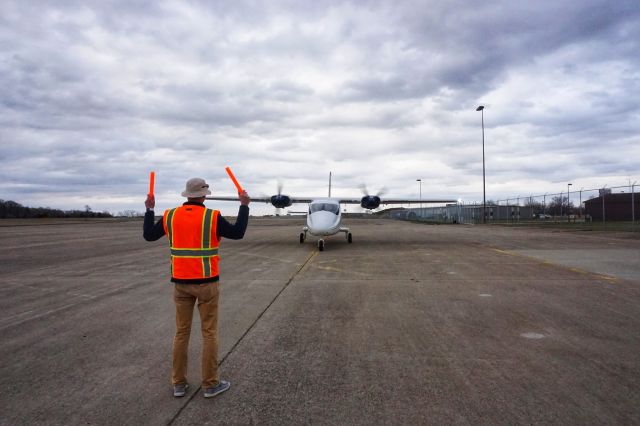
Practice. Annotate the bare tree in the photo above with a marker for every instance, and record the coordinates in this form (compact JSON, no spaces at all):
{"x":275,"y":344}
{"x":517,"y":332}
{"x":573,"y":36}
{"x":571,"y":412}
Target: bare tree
{"x":536,"y":206}
{"x":558,"y":206}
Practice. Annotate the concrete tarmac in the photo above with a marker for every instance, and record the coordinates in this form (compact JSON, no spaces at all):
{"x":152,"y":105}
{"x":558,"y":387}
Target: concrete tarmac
{"x":410,"y":324}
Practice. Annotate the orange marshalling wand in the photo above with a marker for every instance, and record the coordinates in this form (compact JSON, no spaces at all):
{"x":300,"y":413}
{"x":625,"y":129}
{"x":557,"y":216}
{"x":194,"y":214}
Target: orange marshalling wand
{"x":152,"y":182}
{"x":233,"y":178}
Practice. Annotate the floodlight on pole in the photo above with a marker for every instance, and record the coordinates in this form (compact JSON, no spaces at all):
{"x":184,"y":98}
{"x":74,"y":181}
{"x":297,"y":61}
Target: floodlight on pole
{"x":484,"y":187}
{"x":420,"y":181}
{"x":568,"y":211}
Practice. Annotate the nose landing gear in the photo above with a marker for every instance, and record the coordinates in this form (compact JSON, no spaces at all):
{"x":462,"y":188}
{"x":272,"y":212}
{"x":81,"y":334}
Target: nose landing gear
{"x":321,"y":243}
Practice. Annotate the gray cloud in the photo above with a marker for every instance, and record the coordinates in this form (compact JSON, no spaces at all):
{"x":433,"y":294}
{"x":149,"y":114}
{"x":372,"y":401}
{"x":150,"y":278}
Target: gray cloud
{"x":93,"y":95}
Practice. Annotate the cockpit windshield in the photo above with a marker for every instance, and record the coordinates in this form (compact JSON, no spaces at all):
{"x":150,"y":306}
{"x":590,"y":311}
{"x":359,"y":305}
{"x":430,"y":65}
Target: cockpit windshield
{"x":327,"y":207}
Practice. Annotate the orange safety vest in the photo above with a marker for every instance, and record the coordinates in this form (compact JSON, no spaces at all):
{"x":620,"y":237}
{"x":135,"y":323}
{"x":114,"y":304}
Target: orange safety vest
{"x":192,"y":234}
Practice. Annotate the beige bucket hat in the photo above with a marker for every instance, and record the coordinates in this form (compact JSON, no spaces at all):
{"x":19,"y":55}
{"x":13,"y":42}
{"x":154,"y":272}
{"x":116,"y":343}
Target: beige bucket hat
{"x":196,"y":187}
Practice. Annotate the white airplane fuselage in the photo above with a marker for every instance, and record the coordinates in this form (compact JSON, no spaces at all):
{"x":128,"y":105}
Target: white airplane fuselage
{"x":323,"y":218}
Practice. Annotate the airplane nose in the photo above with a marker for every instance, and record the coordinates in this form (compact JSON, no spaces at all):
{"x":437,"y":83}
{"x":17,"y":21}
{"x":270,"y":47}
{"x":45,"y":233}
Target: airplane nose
{"x":322,"y":221}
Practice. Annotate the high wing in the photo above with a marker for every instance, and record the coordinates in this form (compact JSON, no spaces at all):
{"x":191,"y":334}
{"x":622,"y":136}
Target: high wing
{"x":371,"y":202}
{"x":368,"y":201}
{"x":230,"y":198}
{"x":398,"y":201}
{"x":295,"y":200}
{"x":274,"y":199}
{"x":227,"y":198}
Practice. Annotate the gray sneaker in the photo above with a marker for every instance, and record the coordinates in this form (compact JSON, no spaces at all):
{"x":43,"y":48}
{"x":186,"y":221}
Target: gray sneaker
{"x":180,"y":390}
{"x":218,"y":388}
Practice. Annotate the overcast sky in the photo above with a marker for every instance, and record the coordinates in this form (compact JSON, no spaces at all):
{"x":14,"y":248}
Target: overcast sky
{"x":94,"y":95}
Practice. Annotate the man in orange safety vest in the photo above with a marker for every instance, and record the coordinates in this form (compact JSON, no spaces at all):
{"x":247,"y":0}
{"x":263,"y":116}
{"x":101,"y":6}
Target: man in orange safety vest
{"x":194,"y":233}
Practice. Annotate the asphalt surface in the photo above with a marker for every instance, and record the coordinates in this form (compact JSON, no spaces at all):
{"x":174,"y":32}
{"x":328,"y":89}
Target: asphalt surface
{"x":410,"y":324}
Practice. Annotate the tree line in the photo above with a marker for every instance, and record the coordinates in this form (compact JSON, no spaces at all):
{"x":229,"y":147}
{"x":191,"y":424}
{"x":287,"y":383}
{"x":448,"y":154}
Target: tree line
{"x":556,"y":207}
{"x":13,"y":210}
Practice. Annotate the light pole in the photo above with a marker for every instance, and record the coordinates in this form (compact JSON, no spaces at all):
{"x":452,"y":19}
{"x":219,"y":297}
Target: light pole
{"x":484,"y":187}
{"x":581,"y":189}
{"x":420,"y":181}
{"x":568,"y":215}
{"x":604,"y":192}
{"x":633,"y":207}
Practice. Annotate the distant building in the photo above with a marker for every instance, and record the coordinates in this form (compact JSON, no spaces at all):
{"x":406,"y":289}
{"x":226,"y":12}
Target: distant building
{"x":616,"y":207}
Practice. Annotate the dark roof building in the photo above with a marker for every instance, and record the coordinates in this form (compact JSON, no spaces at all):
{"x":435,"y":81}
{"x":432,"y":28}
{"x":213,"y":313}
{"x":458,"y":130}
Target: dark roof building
{"x":616,"y":207}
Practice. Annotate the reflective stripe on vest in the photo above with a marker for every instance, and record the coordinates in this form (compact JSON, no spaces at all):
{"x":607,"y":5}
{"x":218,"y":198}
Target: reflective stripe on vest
{"x":194,"y":252}
{"x":193,"y":241}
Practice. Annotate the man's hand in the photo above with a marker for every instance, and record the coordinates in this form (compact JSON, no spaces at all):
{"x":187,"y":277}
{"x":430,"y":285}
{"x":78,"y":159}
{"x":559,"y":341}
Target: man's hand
{"x":150,"y":202}
{"x":244,"y":198}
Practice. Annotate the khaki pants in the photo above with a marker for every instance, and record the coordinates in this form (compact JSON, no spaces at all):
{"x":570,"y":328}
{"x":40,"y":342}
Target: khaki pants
{"x":185,"y":297}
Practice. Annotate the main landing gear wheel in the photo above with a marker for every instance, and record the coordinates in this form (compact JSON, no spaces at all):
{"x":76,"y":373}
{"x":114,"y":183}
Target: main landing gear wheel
{"x":321,"y":245}
{"x":349,"y":238}
{"x":301,"y":237}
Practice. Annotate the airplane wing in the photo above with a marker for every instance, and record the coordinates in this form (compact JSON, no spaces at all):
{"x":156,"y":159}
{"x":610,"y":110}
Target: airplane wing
{"x":414,"y":201}
{"x":232,"y":198}
{"x":267,"y":200}
{"x":369,"y":202}
{"x":398,"y":201}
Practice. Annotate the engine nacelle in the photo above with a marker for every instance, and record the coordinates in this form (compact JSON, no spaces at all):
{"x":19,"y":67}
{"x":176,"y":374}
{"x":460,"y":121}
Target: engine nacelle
{"x":370,"y":202}
{"x":280,"y":201}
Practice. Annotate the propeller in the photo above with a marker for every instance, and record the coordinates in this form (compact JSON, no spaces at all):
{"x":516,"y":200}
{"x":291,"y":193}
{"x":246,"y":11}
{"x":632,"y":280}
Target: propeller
{"x":280,"y":201}
{"x":370,"y":201}
{"x":365,"y":191}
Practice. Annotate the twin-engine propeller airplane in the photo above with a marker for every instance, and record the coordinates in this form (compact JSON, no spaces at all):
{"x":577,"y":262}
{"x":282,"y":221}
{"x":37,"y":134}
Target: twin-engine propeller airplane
{"x":324,"y":215}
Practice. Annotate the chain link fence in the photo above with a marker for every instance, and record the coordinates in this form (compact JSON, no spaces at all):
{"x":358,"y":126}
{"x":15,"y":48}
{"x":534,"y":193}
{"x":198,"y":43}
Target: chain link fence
{"x":612,"y":204}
